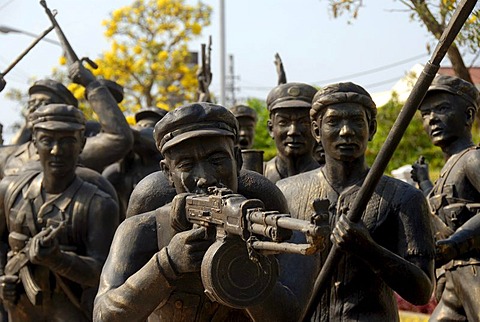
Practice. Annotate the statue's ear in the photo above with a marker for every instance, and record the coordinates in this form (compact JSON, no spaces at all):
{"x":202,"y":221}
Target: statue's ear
{"x":270,"y":127}
{"x":238,"y":157}
{"x":372,"y":129}
{"x":470,"y":115}
{"x":166,"y":171}
{"x":316,"y":131}
{"x":84,"y":141}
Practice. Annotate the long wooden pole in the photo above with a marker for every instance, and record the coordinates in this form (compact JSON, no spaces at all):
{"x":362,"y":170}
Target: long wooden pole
{"x":393,"y":139}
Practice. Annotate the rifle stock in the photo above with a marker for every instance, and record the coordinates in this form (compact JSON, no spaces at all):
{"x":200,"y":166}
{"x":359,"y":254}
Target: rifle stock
{"x":393,"y":139}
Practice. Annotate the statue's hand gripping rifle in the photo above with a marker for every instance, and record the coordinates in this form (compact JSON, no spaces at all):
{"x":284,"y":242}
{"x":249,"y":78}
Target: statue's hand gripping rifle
{"x":239,"y":269}
{"x":18,"y":259}
{"x":69,"y":52}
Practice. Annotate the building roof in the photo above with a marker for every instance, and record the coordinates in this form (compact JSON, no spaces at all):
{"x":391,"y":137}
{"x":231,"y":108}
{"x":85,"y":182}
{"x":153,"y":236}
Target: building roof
{"x":404,"y":85}
{"x":474,"y":73}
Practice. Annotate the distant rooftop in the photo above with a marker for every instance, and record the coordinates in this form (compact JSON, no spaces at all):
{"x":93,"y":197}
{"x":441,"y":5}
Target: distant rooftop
{"x":474,"y":73}
{"x":404,"y":85}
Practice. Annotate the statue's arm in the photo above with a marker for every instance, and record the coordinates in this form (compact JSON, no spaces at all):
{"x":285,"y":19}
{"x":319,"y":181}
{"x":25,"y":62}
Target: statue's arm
{"x":134,"y":278}
{"x":280,"y":305}
{"x":467,"y":237}
{"x":85,"y":269}
{"x":3,"y":227}
{"x":115,"y":139}
{"x":409,"y":270}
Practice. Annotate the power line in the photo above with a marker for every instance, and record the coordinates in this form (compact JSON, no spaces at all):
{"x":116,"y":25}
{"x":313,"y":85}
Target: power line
{"x":376,"y":84}
{"x":363,"y":73}
{"x":370,"y":71}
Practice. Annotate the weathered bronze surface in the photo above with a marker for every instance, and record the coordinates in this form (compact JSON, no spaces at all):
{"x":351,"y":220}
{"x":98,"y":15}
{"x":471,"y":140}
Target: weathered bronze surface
{"x":392,"y":243}
{"x":154,"y":265}
{"x":448,"y":112}
{"x":142,"y":160}
{"x":56,"y":228}
{"x":289,"y":126}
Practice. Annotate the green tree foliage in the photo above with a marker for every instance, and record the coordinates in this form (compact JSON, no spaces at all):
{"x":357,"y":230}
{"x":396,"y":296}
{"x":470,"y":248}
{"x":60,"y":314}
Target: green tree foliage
{"x":415,"y":141}
{"x":262,"y":141}
{"x":149,"y":56}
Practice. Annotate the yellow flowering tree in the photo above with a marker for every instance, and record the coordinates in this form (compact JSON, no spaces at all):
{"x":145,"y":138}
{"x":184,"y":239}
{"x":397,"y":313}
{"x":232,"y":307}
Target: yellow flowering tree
{"x":149,"y":55}
{"x":434,"y":15}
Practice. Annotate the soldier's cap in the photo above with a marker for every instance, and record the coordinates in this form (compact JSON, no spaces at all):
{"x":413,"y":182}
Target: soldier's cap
{"x":456,"y":86}
{"x":150,"y":112}
{"x":244,"y":111}
{"x":194,"y":120}
{"x":57,"y":88}
{"x":290,"y":95}
{"x":347,"y":92}
{"x":56,"y":117}
{"x":113,"y":87}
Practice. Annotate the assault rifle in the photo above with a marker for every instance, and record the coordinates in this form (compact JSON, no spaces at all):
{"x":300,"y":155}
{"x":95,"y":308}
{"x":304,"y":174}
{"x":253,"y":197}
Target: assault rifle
{"x":18,"y":259}
{"x":69,"y":52}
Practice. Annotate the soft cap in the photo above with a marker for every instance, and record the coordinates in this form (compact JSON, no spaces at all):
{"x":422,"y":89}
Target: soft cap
{"x":57,"y":117}
{"x":244,"y":111}
{"x":290,"y":95}
{"x":194,"y":120}
{"x":57,"y":88}
{"x":456,"y":86}
{"x":341,"y":93}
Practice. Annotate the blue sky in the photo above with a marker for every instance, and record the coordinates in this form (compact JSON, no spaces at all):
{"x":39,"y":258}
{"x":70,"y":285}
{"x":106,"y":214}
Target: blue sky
{"x":314,"y":47}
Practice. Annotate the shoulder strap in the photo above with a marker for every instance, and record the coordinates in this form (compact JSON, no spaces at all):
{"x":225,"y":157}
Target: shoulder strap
{"x":80,"y":212}
{"x":444,"y":175}
{"x":16,"y":185}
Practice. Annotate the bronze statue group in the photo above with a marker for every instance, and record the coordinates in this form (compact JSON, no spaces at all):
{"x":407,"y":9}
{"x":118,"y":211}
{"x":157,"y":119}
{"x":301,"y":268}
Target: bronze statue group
{"x":163,"y":221}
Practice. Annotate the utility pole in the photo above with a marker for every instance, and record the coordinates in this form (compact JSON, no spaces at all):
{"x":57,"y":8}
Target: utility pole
{"x":222,"y":52}
{"x":231,"y":99}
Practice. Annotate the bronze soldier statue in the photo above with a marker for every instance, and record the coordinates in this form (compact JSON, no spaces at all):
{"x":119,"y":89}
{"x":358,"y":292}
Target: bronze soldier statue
{"x":101,"y":150}
{"x":391,"y":249}
{"x":448,"y":112}
{"x":153,"y":268}
{"x":289,"y":125}
{"x":247,"y":120}
{"x":56,"y":227}
{"x":143,"y":159}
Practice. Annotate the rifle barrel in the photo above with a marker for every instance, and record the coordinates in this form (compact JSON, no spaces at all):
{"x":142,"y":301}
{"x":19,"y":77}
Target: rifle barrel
{"x":26,"y":51}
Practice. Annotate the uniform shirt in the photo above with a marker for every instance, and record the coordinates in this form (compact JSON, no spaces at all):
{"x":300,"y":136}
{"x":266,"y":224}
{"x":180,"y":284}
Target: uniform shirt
{"x":396,"y":217}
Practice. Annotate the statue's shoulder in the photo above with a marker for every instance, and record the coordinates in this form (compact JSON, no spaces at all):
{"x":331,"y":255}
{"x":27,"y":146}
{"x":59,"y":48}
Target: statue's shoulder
{"x":253,"y":185}
{"x":150,"y":193}
{"x":398,"y":191}
{"x":300,"y":181}
{"x":140,"y":226}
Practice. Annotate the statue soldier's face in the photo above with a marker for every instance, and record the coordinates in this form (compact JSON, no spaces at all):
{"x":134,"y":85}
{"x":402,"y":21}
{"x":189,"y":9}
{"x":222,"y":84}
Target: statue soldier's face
{"x":147,"y":122}
{"x":201,"y":162}
{"x":344,"y":131}
{"x":290,"y":128}
{"x":246,"y":132}
{"x":35,"y":100}
{"x":443,"y":119}
{"x":58,"y":150}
